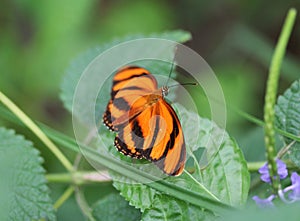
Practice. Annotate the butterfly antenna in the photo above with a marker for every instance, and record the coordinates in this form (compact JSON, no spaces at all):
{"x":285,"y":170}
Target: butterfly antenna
{"x":172,"y":66}
{"x":192,"y":83}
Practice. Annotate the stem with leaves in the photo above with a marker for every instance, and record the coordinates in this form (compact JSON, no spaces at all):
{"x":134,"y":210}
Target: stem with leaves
{"x":36,"y":130}
{"x":270,"y":97}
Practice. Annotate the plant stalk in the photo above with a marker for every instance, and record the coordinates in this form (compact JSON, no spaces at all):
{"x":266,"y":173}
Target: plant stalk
{"x":270,"y":97}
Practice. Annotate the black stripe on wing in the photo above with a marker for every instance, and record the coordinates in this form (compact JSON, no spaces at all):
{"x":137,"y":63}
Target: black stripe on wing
{"x":147,"y":151}
{"x":123,"y":147}
{"x":175,"y":131}
{"x":107,"y":118}
{"x":130,"y":88}
{"x":139,"y":72}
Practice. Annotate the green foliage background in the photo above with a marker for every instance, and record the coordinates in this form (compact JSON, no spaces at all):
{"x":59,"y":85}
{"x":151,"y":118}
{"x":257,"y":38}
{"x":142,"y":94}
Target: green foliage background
{"x":39,"y":40}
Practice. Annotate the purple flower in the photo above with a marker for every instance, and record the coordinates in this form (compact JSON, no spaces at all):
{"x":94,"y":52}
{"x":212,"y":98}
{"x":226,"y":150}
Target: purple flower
{"x":264,"y":203}
{"x":281,"y":171}
{"x":294,"y":195}
{"x":264,"y":171}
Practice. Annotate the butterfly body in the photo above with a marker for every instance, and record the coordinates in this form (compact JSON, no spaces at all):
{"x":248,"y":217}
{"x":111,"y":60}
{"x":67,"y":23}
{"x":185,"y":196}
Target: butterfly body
{"x":146,"y":125}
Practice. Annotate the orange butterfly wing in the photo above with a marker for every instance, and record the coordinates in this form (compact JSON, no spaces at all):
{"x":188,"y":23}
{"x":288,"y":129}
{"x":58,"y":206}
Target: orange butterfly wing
{"x":129,"y":84}
{"x":147,"y":125}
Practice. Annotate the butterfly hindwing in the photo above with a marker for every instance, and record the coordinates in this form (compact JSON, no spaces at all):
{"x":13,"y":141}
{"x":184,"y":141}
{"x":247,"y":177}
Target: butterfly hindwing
{"x":173,"y":160}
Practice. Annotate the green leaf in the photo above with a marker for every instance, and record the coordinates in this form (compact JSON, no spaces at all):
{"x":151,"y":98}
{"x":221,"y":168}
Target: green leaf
{"x":176,"y":190}
{"x":114,"y":207}
{"x":226,"y":176}
{"x":76,"y":69}
{"x":158,"y":206}
{"x":167,"y":208}
{"x":23,"y":190}
{"x":139,"y":195}
{"x":287,"y":118}
{"x":143,"y":196}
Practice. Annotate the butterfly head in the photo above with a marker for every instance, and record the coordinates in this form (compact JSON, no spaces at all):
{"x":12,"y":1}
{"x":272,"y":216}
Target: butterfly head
{"x":165,"y":90}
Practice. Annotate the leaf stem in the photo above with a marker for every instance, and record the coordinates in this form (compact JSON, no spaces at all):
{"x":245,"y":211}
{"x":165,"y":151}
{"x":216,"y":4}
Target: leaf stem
{"x":270,"y":97}
{"x":259,"y":122}
{"x":285,"y":149}
{"x":59,"y":178}
{"x":64,"y":197}
{"x":254,"y":166}
{"x":36,"y":130}
{"x":83,"y":204}
{"x":79,"y":177}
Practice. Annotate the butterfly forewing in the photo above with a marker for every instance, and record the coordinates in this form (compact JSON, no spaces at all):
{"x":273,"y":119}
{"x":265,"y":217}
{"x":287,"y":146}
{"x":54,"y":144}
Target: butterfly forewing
{"x":146,"y":125}
{"x":129,"y":84}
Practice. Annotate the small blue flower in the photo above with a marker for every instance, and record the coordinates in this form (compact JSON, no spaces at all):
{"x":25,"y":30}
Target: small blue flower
{"x":281,"y":171}
{"x":264,"y":203}
{"x":295,"y":188}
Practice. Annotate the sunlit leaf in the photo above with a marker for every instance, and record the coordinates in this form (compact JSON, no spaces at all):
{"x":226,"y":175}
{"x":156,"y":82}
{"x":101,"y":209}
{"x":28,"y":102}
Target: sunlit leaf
{"x":225,"y":174}
{"x":225,"y":178}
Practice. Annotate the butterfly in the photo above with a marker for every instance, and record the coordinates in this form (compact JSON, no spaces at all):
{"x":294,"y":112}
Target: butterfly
{"x":146,"y":125}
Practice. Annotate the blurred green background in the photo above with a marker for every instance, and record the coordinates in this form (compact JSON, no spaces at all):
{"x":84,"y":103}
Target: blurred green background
{"x":39,"y":39}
